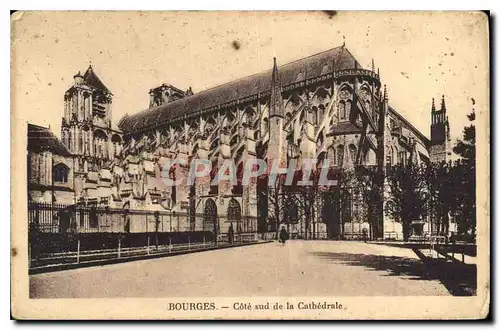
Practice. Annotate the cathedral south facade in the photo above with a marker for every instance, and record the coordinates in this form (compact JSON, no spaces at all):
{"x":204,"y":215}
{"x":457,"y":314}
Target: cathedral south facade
{"x":324,"y":107}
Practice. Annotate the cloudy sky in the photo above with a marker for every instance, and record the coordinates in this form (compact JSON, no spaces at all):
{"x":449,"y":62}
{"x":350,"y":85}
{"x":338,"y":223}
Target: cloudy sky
{"x":420,"y":55}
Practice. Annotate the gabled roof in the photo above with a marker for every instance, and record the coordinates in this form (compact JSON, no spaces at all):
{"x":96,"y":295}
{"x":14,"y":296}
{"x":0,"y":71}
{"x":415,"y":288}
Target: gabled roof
{"x":91,"y":79}
{"x":305,"y":68}
{"x":343,"y":128}
{"x":41,"y":138}
{"x":415,"y":131}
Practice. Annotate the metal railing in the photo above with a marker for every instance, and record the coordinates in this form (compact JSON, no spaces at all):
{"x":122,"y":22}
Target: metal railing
{"x":75,"y":233}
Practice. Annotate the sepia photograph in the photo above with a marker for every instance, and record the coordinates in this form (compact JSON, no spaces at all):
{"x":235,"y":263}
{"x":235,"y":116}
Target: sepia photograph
{"x":250,"y":165}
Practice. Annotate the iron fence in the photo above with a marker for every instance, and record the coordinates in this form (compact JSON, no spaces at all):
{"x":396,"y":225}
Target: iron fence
{"x":72,"y":233}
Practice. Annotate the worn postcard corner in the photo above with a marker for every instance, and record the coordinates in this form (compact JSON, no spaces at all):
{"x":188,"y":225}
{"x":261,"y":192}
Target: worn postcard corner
{"x":250,"y":165}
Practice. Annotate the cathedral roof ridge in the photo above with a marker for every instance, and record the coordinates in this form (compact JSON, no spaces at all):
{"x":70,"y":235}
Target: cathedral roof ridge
{"x":241,"y":88}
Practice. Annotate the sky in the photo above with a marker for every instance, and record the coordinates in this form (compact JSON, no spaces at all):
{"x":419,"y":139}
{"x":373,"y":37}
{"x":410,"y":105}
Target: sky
{"x":420,"y":55}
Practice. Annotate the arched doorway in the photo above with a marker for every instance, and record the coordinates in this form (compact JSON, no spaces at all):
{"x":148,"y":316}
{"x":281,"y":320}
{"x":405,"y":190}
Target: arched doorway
{"x":234,"y":214}
{"x":210,"y":216}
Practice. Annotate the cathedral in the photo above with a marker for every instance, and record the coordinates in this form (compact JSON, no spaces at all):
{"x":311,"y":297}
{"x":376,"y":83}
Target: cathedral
{"x":324,"y":106}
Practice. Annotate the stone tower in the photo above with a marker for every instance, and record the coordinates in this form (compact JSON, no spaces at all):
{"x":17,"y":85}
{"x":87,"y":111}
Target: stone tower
{"x":440,"y":148}
{"x":86,"y":127}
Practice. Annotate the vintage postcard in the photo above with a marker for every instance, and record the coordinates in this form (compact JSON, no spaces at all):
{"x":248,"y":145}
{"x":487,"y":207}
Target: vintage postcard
{"x":250,"y":165}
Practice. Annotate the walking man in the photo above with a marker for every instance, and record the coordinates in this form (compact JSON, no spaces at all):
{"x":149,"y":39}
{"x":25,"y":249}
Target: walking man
{"x":283,"y":235}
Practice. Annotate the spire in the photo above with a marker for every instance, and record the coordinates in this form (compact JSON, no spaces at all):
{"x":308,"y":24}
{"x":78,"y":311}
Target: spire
{"x":276,"y":103}
{"x":373,"y":65}
{"x":443,"y":105}
{"x":386,"y":97}
{"x":91,"y":79}
{"x":433,"y":105}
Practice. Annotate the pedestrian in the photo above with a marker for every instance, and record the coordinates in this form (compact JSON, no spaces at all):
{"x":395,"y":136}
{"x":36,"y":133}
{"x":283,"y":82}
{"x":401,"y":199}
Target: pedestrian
{"x":283,"y":235}
{"x":365,"y":234}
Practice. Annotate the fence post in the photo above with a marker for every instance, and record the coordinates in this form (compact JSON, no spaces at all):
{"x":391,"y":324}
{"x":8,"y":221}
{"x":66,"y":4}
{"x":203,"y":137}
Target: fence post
{"x":119,"y":247}
{"x":203,"y":240}
{"x":189,"y":243}
{"x":148,"y":245}
{"x":78,"y":252}
{"x":169,"y":244}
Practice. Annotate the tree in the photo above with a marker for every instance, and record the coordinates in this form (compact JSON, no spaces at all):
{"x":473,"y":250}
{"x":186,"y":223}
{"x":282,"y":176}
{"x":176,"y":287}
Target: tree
{"x":466,"y":148}
{"x":336,"y":201}
{"x":465,"y":177}
{"x":407,"y":201}
{"x":370,"y":182}
{"x":305,"y":197}
{"x":442,"y":194}
{"x":465,"y":187}
{"x":278,"y":200}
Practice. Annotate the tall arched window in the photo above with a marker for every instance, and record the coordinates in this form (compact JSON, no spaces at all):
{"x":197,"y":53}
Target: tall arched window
{"x":390,"y":157}
{"x":340,"y":155}
{"x":315,"y":114}
{"x":321,"y":159}
{"x":70,"y":141}
{"x":346,"y":200}
{"x":265,"y":126}
{"x":172,"y":176}
{"x":210,"y":216}
{"x":342,"y":114}
{"x":352,"y":152}
{"x":347,"y":109}
{"x":80,"y":142}
{"x":214,"y":185}
{"x":321,"y":113}
{"x":60,"y":173}
{"x":234,"y":213}
{"x":100,"y":141}
{"x":331,"y":156}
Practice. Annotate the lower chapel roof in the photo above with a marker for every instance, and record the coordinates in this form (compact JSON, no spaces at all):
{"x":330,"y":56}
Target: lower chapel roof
{"x":42,"y":139}
{"x":305,"y":68}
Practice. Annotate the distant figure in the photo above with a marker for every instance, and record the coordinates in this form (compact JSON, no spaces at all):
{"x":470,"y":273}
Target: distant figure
{"x":230,"y":234}
{"x":283,"y":235}
{"x":365,"y":234}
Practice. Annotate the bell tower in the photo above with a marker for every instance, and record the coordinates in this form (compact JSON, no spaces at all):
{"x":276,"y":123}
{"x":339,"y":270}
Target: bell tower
{"x":440,"y":134}
{"x":86,"y":124}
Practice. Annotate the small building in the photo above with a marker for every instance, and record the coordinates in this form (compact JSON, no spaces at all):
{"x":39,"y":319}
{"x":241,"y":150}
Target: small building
{"x":50,"y":168}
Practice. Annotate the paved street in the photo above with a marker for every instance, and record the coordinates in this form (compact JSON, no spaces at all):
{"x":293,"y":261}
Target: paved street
{"x":300,"y":268}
